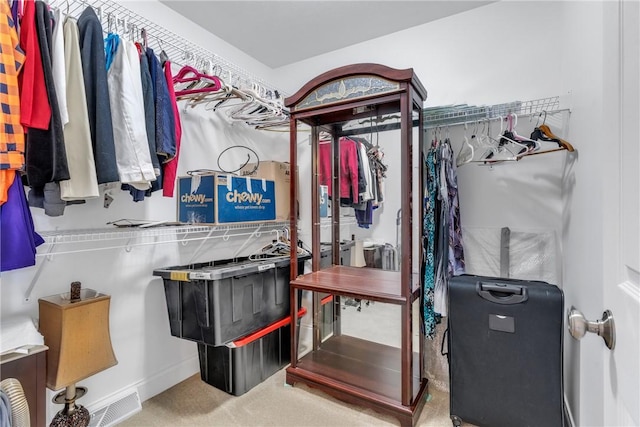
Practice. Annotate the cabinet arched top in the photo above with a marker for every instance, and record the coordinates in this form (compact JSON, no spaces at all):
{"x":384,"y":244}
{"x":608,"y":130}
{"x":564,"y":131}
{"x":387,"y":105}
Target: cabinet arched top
{"x":353,"y":82}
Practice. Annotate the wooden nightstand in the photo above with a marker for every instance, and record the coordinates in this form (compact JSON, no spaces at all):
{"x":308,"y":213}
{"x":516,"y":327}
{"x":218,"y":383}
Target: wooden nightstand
{"x":28,"y":364}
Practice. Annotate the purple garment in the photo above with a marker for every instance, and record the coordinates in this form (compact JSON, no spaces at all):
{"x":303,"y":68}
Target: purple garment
{"x":19,"y":239}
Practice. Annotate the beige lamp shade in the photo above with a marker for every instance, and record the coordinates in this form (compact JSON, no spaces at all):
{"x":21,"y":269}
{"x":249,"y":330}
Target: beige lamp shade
{"x":77,"y":334}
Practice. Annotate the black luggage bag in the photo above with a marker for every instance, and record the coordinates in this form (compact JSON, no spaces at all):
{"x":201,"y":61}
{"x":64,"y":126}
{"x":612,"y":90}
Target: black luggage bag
{"x":505,"y":352}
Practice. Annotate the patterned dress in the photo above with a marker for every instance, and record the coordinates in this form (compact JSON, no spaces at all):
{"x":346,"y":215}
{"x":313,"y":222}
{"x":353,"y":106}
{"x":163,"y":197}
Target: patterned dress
{"x":429,"y":228}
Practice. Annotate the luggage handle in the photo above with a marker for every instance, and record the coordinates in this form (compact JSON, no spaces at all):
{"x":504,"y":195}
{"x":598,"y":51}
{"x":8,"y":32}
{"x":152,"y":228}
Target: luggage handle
{"x":502,"y":293}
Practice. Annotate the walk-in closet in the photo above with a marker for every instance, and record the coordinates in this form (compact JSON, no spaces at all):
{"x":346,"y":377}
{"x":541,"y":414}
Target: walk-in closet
{"x":319,"y":213}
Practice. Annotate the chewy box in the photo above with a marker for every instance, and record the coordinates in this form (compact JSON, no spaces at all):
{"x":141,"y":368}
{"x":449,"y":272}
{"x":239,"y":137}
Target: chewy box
{"x":244,"y":199}
{"x":220,"y":301}
{"x":196,"y":199}
{"x":280,"y":174}
{"x":238,"y":367}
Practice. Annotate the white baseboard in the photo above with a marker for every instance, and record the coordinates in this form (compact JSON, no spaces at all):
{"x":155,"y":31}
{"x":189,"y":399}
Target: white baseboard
{"x":166,"y":379}
{"x":156,"y":384}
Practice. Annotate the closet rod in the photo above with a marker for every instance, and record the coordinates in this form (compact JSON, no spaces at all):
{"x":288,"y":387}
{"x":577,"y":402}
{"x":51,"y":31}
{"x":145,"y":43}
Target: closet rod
{"x":180,"y":50}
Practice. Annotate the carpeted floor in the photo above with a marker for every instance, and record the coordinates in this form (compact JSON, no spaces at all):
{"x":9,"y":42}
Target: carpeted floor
{"x":194,"y":403}
{"x":271,"y":403}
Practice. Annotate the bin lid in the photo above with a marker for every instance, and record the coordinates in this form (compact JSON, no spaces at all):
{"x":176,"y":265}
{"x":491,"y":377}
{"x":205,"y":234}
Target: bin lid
{"x":211,"y":271}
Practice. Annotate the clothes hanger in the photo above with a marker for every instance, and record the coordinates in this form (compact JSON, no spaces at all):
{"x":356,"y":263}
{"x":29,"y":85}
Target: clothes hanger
{"x":226,"y":96}
{"x":561,"y":142}
{"x":465,"y":155}
{"x":190,"y":75}
{"x":510,"y":136}
{"x":531,"y":144}
{"x":544,"y":133}
{"x":564,"y":144}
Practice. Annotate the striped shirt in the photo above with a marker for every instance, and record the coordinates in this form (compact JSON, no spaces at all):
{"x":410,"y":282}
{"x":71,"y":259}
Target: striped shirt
{"x":11,"y":60}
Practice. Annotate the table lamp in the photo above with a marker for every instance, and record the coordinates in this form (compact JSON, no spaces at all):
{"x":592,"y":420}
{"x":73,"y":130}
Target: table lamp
{"x":75,"y":327}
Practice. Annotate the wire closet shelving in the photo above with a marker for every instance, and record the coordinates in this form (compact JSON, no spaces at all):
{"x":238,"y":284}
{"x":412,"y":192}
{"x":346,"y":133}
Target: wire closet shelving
{"x":180,"y":50}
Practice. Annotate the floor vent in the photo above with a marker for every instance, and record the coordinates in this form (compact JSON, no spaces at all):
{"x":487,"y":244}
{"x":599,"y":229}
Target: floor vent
{"x":117,"y":411}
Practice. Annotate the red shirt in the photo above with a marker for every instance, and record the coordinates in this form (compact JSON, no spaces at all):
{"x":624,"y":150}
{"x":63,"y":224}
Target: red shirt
{"x":348,"y":168}
{"x":35,"y":110}
{"x":171,"y":167}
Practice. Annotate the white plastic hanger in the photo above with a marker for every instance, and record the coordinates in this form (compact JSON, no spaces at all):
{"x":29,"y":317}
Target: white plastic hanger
{"x":465,"y":155}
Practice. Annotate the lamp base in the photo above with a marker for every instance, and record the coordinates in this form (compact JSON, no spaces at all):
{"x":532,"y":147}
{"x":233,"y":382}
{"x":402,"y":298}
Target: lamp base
{"x":71,"y":415}
{"x":79,"y":417}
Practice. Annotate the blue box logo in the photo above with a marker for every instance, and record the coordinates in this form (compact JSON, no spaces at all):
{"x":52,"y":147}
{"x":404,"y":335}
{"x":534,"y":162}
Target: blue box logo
{"x":243,"y":199}
{"x":324,"y":201}
{"x":195,"y":205}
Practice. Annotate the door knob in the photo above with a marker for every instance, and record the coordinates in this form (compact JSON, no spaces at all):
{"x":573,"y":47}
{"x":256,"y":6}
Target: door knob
{"x":606,"y":327}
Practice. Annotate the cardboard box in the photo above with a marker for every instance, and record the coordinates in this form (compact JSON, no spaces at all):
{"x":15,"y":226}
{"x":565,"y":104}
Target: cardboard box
{"x":244,"y":199}
{"x":280,"y":174}
{"x":196,"y":199}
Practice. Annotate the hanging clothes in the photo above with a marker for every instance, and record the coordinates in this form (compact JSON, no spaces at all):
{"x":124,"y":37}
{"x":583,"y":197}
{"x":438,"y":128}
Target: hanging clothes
{"x":11,"y":133}
{"x":165,"y":121}
{"x":429,"y":233}
{"x":128,"y":120}
{"x":150,"y":126}
{"x":377,"y":156}
{"x":349,"y":189}
{"x":94,"y":72}
{"x":149,"y":110}
{"x":445,"y":244}
{"x":171,"y":167}
{"x":456,"y":248}
{"x":35,"y":109}
{"x":16,"y":13}
{"x":83,"y":183}
{"x":46,"y":157}
{"x":19,"y":239}
{"x":443,"y":156}
{"x":111,"y":45}
{"x":58,"y":66}
{"x":325,"y":171}
{"x":367,"y":194}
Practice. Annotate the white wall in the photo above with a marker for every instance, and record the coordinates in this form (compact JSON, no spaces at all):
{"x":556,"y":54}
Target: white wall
{"x":484,"y":56}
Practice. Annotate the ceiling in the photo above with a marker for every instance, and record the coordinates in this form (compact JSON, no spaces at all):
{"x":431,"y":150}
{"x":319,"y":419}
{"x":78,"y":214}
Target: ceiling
{"x":279,"y":33}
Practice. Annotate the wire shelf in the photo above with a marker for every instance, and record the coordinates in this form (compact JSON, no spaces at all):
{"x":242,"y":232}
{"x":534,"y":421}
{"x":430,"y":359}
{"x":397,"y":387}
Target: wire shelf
{"x":458,"y":114}
{"x":119,"y":19}
{"x":109,"y":234}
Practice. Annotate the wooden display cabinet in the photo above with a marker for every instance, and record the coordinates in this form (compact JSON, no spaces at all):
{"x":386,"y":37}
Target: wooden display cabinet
{"x":385,"y":378}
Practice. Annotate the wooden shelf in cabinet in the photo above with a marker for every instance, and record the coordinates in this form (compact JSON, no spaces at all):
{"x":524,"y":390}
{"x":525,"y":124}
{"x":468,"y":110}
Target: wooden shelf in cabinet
{"x":360,"y":372}
{"x":366,"y":283}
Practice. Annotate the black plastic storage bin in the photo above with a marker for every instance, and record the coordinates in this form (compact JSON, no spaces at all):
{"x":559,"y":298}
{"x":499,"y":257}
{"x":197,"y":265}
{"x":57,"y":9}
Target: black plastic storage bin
{"x":220,"y":301}
{"x":238,"y":367}
{"x":345,"y":253}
